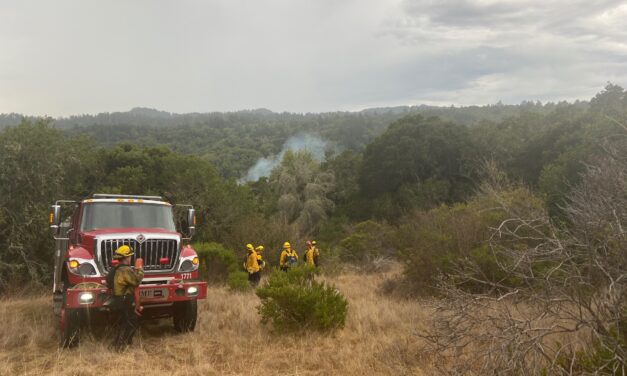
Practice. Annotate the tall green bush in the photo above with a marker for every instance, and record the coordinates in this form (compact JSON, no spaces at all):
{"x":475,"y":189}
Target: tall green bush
{"x":217,"y":264}
{"x":435,"y":242}
{"x":38,"y":165}
{"x":295,"y":301}
{"x":366,"y":241}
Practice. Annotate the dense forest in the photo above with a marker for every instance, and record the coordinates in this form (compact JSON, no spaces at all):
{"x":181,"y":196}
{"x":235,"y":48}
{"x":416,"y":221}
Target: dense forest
{"x":380,"y":164}
{"x":232,"y":142}
{"x":425,"y":186}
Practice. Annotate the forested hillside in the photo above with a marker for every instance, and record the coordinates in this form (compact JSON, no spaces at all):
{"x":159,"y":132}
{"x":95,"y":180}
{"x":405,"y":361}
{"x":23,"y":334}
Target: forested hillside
{"x":497,"y":202}
{"x":233,"y":141}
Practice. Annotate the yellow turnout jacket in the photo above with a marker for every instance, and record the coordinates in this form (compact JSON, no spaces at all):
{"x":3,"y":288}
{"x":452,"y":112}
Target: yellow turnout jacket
{"x":126,"y":279}
{"x":252,"y":265}
{"x":309,"y":256}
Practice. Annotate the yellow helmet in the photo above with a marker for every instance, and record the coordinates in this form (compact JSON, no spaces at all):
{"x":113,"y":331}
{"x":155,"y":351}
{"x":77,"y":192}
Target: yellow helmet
{"x":250,"y":247}
{"x":123,"y":251}
{"x":286,"y":245}
{"x":259,"y":248}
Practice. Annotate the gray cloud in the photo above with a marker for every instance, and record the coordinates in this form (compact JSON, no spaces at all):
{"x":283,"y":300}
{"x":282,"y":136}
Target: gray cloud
{"x":516,"y":14}
{"x":67,"y":57}
{"x":482,"y":51}
{"x":467,"y":12}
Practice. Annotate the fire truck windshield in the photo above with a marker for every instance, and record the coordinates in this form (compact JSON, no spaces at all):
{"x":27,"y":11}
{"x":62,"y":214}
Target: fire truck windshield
{"x":102,"y":215}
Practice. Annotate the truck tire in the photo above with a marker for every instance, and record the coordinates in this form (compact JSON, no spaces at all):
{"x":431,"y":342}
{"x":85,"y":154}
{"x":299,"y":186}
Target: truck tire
{"x":185,"y":314}
{"x":69,"y":327}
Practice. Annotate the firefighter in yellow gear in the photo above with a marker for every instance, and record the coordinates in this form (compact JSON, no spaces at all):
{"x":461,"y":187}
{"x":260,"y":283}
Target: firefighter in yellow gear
{"x":288,"y":258}
{"x":252,"y":265}
{"x":309,"y":253}
{"x":316,"y":253}
{"x":260,"y":260}
{"x":125,"y":281}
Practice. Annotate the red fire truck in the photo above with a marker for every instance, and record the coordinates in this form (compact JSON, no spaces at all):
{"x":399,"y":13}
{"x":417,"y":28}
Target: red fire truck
{"x":85,"y":243}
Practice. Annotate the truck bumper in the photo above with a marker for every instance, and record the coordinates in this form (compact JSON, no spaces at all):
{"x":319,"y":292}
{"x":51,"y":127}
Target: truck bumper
{"x":156,"y":295}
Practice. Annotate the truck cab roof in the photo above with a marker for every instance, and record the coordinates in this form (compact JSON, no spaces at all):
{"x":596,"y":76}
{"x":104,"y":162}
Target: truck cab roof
{"x":125,"y":200}
{"x":106,"y":197}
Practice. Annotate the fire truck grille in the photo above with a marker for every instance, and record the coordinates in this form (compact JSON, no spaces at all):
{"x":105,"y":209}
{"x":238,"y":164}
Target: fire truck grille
{"x":158,"y":254}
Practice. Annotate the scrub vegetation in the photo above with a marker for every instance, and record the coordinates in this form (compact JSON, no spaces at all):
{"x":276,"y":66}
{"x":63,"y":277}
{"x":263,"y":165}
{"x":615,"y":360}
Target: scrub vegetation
{"x":481,"y":240}
{"x":378,"y":338}
{"x":295,"y":301}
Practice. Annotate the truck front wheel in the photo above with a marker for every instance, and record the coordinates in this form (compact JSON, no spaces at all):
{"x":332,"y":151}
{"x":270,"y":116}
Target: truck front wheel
{"x":185,"y":314}
{"x":69,"y":327}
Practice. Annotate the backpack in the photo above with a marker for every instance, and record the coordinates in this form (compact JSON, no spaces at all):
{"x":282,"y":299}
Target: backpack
{"x":291,"y":261}
{"x":111,"y":276}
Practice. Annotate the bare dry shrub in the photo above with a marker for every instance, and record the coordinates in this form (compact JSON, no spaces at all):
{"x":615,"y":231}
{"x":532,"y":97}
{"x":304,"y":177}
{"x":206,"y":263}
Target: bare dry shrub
{"x":379,"y":264}
{"x":567,"y":314}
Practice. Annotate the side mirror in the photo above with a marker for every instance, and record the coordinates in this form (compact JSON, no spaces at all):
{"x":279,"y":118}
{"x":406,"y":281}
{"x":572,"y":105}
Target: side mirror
{"x":191,"y":222}
{"x":55,"y":218}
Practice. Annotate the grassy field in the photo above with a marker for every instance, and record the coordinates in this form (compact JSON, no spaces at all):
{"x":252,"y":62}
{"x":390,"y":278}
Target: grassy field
{"x":379,"y":338}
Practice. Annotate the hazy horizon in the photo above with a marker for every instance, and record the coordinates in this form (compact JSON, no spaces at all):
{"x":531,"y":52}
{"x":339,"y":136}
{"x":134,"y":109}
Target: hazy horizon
{"x":357,"y":110}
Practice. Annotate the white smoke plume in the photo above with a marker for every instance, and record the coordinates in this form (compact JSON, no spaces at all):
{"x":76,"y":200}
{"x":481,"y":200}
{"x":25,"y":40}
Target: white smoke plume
{"x":303,"y":141}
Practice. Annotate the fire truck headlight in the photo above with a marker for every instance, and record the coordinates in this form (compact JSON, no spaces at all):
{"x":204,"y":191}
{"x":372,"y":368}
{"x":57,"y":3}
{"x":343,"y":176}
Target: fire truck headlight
{"x":192,"y":291}
{"x":86,"y":298}
{"x":188,"y":266}
{"x":86,"y":269}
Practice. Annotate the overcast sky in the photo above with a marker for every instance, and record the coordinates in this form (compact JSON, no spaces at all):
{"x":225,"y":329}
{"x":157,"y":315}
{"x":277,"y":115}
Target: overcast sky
{"x":71,"y":57}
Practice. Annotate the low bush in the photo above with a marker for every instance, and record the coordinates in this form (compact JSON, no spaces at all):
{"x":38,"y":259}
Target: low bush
{"x":216,"y":262}
{"x":598,"y":357}
{"x":366,"y":241}
{"x":238,"y":281}
{"x":330,"y":262}
{"x":295,"y":301}
{"x":436,"y":242}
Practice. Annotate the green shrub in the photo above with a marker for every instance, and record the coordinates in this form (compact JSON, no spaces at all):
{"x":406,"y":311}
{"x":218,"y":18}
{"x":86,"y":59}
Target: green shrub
{"x":435,"y":242}
{"x":294,"y":301}
{"x":366,"y":241}
{"x":596,"y":359}
{"x":238,"y":281}
{"x":330,"y":263}
{"x":216,"y":262}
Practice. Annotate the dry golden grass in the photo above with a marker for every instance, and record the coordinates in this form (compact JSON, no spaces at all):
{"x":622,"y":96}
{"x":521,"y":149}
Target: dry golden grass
{"x":229,"y":340}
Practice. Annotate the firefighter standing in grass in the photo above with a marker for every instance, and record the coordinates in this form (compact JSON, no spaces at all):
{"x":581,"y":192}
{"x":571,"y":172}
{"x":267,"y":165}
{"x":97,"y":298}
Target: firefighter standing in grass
{"x":316,"y":253}
{"x":124,"y":280}
{"x":252,"y":265}
{"x":288,"y":258}
{"x":260,"y":260}
{"x":309,"y":253}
